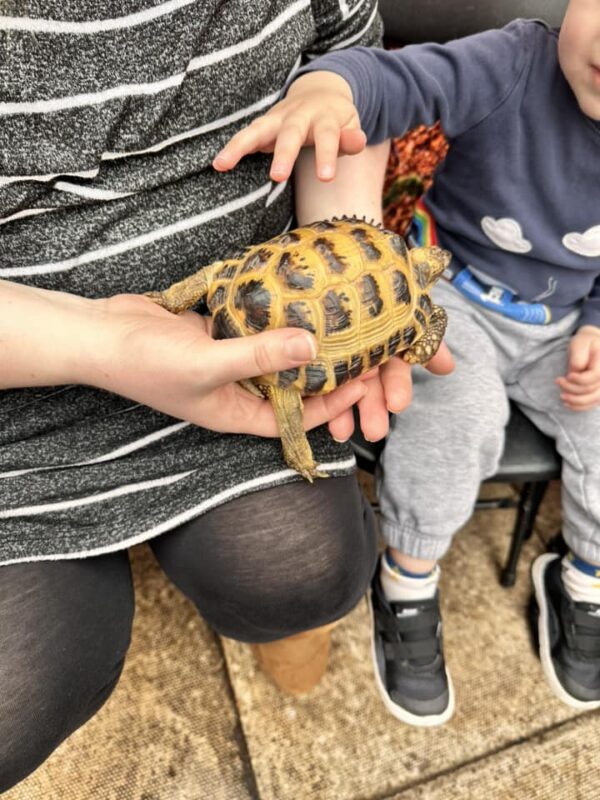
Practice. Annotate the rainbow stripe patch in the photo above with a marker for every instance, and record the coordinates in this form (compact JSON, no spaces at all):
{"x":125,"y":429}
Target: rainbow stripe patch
{"x":423,"y":230}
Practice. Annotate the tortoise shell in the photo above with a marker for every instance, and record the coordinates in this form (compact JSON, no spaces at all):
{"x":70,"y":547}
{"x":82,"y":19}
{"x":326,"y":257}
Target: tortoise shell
{"x":354,"y":285}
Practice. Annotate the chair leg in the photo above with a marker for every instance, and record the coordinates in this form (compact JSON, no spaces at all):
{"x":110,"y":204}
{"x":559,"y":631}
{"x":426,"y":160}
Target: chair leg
{"x":532,"y":495}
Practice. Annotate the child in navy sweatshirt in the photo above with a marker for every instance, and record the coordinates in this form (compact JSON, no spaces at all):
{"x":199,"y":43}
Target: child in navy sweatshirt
{"x":517,"y":203}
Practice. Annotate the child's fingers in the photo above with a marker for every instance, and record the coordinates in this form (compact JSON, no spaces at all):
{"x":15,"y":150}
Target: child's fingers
{"x":352,"y":141}
{"x":581,"y":402}
{"x":579,"y":382}
{"x":326,"y":134}
{"x":574,"y":390}
{"x":259,"y":135}
{"x":293,"y":134}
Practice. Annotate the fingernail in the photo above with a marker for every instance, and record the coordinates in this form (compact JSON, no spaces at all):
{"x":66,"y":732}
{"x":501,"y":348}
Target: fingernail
{"x":219,"y":159}
{"x":326,"y":172}
{"x":339,"y":441}
{"x":278,"y":171}
{"x":301,"y":348}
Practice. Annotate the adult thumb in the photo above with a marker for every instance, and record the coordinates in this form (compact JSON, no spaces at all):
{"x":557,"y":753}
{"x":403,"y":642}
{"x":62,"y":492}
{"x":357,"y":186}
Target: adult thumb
{"x":261,"y":354}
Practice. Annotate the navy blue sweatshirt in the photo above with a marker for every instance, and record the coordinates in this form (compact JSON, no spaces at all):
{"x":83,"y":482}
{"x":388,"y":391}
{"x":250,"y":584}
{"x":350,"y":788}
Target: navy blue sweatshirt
{"x":518,"y":196}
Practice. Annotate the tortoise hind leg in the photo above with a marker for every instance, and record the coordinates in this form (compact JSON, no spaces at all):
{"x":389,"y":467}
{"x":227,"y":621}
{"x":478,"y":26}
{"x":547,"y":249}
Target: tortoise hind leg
{"x":184,"y":294}
{"x":288,"y":408}
{"x":427,"y":346}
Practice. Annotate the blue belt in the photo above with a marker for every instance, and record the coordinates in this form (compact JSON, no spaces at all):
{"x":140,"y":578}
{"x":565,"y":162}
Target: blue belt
{"x":494,"y":298}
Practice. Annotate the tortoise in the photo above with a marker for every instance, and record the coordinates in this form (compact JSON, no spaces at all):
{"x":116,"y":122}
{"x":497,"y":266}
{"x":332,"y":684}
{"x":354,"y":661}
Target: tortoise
{"x":354,"y":285}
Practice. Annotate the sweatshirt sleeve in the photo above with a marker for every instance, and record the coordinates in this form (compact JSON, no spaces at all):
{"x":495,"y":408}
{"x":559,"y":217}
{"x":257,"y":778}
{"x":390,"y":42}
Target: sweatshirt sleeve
{"x":459,"y":83}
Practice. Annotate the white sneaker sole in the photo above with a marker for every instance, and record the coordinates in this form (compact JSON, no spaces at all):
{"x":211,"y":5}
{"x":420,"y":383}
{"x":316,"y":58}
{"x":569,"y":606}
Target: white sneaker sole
{"x":537,"y":573}
{"x":430,"y":721}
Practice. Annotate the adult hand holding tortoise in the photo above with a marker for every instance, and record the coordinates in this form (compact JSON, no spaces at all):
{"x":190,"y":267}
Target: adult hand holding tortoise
{"x":128,"y":345}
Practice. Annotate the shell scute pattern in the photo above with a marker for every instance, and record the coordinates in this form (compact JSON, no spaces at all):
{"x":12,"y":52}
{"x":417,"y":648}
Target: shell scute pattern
{"x":356,"y":286}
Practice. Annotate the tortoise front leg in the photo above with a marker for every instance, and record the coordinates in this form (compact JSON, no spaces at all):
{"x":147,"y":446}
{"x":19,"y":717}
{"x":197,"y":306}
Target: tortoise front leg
{"x":184,"y":294}
{"x":427,"y":346}
{"x":288,"y":408}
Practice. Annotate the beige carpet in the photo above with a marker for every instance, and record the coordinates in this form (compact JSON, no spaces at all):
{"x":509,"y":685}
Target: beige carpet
{"x":184,"y":724}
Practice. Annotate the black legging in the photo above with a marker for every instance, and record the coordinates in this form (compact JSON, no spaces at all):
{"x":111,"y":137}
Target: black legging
{"x":258,"y":568}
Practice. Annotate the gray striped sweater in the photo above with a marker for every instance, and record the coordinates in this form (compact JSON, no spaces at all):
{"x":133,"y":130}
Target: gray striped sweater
{"x":110,"y":115}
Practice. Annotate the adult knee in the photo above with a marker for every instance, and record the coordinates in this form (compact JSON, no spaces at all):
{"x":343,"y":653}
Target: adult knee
{"x":319,"y":578}
{"x":302,"y":557}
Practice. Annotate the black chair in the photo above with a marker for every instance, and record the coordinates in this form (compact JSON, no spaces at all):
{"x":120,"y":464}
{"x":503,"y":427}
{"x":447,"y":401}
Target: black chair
{"x":412,"y":21}
{"x":529,"y":459}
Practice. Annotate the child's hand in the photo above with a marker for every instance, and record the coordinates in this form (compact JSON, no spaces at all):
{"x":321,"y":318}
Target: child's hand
{"x":317,"y":110}
{"x":580,"y":387}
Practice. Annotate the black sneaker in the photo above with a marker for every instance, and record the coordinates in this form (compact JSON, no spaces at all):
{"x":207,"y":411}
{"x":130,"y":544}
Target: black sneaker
{"x":408,"y":659}
{"x":568,"y":635}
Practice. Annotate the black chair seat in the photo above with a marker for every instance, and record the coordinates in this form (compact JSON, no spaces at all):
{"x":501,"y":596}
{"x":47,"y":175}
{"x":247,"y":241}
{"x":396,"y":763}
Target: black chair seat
{"x":528,"y":453}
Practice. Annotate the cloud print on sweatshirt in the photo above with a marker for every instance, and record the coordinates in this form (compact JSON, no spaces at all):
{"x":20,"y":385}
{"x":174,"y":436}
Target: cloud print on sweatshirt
{"x":506,"y":233}
{"x":584,"y":244}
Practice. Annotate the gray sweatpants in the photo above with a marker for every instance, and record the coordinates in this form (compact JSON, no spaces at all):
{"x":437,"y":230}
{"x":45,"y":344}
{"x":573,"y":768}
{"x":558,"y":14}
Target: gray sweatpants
{"x":451,"y":437}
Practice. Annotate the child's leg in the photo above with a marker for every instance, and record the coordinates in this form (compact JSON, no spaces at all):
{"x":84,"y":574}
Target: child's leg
{"x":443,"y":445}
{"x":568,"y":591}
{"x":439,"y":450}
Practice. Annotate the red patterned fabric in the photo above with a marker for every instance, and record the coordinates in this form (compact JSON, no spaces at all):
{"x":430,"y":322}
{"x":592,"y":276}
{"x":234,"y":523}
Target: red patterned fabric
{"x":413,"y":159}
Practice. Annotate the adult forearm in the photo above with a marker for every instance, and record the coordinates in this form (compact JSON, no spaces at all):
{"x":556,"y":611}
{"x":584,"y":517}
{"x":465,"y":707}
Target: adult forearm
{"x":46,"y":337}
{"x":357,"y":188}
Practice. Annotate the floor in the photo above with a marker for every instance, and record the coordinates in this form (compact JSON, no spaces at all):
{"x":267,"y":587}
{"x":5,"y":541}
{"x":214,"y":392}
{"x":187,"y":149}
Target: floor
{"x":194,"y":719}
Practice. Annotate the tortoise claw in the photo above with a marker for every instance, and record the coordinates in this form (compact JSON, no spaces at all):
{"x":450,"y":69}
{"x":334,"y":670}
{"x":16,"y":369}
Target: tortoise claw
{"x":310,"y":473}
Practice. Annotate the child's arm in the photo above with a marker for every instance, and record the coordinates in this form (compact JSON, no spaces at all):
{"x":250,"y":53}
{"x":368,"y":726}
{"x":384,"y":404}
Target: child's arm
{"x":580,"y":387}
{"x":385,"y":93}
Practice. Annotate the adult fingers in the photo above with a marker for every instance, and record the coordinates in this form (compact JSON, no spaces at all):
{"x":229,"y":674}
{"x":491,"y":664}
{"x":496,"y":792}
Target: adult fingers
{"x":327,"y":407}
{"x":242,"y":412}
{"x":442,"y":363}
{"x":249,"y":356}
{"x":342,"y":427}
{"x":374,"y":414}
{"x":396,"y":378}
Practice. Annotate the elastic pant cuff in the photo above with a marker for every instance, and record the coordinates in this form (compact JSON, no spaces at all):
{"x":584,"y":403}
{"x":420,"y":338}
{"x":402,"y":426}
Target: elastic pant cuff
{"x":414,"y":543}
{"x":588,"y":551}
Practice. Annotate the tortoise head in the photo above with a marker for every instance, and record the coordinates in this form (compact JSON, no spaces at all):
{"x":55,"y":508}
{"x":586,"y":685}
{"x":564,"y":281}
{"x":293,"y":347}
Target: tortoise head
{"x":428,"y":264}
